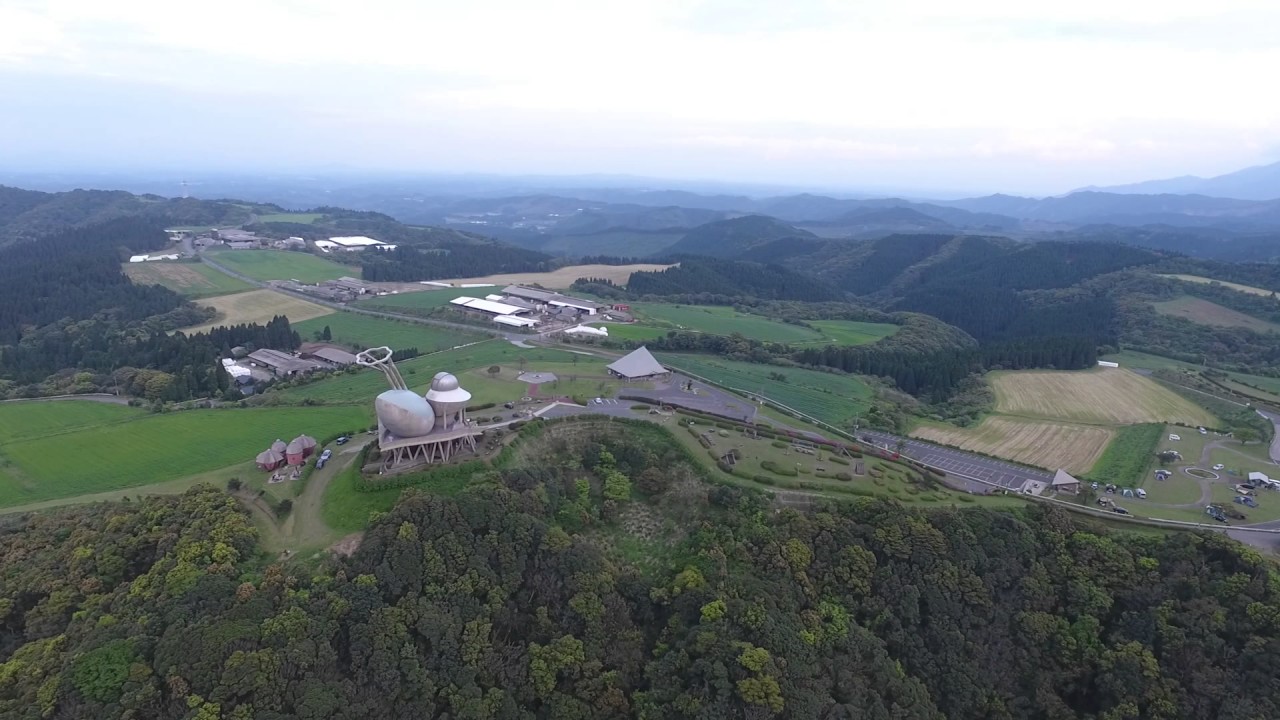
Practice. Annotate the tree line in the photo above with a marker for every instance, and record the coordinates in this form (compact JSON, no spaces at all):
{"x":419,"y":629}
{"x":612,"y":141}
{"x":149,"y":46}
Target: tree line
{"x":411,"y":264}
{"x":603,"y":579}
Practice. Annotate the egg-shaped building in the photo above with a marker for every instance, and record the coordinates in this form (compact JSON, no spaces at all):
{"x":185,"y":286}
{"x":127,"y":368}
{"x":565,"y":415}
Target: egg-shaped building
{"x":404,"y":413}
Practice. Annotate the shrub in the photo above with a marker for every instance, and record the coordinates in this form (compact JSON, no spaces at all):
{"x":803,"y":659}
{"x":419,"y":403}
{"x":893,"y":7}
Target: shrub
{"x":837,"y":460}
{"x":803,"y":470}
{"x":843,"y":476}
{"x":763,"y":479}
{"x":284,"y":507}
{"x":640,"y":406}
{"x":233,"y":484}
{"x":773,"y":467}
{"x":724,"y":426}
{"x":481,"y":406}
{"x":778,"y":444}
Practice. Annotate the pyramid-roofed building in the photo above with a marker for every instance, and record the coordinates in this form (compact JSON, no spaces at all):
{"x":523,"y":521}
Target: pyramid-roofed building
{"x":269,"y":460}
{"x":1064,"y":482}
{"x":639,"y":364}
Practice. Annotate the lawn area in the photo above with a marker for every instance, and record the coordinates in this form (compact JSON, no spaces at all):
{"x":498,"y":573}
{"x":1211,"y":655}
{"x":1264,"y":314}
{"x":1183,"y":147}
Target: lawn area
{"x":1050,"y":445}
{"x":1234,"y":286}
{"x":366,"y":331}
{"x":300,"y":218}
{"x":1100,"y":396}
{"x":1126,"y":458}
{"x":257,"y":306}
{"x":425,"y":299}
{"x":629,"y":331}
{"x":832,"y":398}
{"x":853,"y":332}
{"x":719,"y":320}
{"x":194,"y":280}
{"x":1209,"y":313}
{"x":363,"y":386}
{"x":1132,"y":359}
{"x":34,"y":419}
{"x":586,"y":378}
{"x":282,"y":265}
{"x":155,"y":448}
{"x":217,"y":478}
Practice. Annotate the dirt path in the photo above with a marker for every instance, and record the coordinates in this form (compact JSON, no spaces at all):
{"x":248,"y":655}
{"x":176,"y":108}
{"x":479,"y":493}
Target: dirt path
{"x":304,"y":529}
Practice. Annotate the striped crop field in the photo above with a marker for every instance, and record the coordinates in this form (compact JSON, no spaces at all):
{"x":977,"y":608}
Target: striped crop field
{"x":115,"y":450}
{"x":1049,"y":445}
{"x":1103,"y":396}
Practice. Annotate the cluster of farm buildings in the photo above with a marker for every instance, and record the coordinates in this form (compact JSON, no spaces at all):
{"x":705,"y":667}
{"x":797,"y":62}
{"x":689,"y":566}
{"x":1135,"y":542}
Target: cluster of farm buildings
{"x":528,"y":307}
{"x":294,"y":453}
{"x":249,"y":368}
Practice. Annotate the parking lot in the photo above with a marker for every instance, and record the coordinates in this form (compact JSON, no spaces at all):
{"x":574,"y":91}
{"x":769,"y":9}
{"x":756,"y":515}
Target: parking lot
{"x":995,"y":472}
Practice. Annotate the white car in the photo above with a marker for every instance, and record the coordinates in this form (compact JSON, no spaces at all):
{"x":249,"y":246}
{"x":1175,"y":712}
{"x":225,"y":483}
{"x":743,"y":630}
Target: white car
{"x":1175,"y":438}
{"x":1219,"y":466}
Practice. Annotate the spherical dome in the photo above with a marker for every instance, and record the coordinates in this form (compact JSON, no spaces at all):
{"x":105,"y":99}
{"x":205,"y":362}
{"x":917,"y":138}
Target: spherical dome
{"x":445,"y":391}
{"x":404,"y":413}
{"x":439,"y":375}
{"x":444,"y":382}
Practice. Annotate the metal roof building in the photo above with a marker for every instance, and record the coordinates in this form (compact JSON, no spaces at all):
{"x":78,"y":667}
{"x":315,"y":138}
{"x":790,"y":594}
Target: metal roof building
{"x":493,"y":308}
{"x":514,"y":321}
{"x":639,"y":364}
{"x":282,"y":363}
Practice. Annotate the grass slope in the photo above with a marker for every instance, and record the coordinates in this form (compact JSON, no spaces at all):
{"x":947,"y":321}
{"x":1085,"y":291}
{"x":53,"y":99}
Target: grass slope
{"x":257,"y":306}
{"x":281,"y":265}
{"x":833,"y":398}
{"x":1105,"y":396}
{"x":1050,"y":445}
{"x":1129,"y":454}
{"x":1209,"y":313}
{"x":719,"y":320}
{"x":301,"y":218}
{"x":156,"y":448}
{"x":1234,"y":286}
{"x":33,"y":419}
{"x":193,"y":280}
{"x":365,"y":331}
{"x":853,"y":332}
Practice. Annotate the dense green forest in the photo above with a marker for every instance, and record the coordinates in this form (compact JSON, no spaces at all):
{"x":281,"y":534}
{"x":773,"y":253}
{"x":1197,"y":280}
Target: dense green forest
{"x":602,"y":579}
{"x":719,"y":282}
{"x":72,"y":322}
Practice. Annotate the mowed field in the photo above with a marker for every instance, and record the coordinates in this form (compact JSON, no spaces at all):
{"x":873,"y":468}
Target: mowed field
{"x":1103,"y":396}
{"x":1234,"y":286}
{"x":300,"y":218}
{"x":720,"y":320}
{"x":257,"y":306}
{"x":1208,"y":313}
{"x":833,"y":398}
{"x":1050,"y":445}
{"x":365,"y":331}
{"x":282,"y":265}
{"x":128,"y":450}
{"x":562,"y":278}
{"x":425,"y":299}
{"x":193,"y":280}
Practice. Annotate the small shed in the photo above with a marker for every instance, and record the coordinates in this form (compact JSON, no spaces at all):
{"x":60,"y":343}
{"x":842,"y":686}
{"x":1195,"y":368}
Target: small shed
{"x":279,"y":446}
{"x":294,"y":454}
{"x":1063,"y":482}
{"x":269,"y":460}
{"x":307,"y":443}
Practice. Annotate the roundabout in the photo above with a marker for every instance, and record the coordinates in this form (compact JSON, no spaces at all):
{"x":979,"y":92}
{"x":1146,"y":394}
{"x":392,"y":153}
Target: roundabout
{"x":1201,"y":473}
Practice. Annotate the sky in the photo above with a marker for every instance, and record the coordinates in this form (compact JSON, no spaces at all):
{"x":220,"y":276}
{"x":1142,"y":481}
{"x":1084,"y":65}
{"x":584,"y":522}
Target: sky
{"x":927,"y":95}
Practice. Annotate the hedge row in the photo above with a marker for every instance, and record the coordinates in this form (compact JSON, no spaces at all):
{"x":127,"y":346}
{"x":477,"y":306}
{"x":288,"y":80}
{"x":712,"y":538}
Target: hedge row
{"x":773,"y":467}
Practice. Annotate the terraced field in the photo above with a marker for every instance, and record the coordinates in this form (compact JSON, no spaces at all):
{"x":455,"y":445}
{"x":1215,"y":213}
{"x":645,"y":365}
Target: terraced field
{"x":257,"y":306}
{"x":121,"y":448}
{"x":1050,"y":445}
{"x":1105,"y":396}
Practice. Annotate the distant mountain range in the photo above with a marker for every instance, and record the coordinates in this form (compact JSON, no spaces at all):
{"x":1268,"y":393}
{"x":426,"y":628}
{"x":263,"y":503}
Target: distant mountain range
{"x":1255,"y":183}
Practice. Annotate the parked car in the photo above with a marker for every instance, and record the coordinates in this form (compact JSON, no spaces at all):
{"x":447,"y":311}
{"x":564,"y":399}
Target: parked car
{"x":1105,"y":501}
{"x":1243,"y":489}
{"x":1174,"y":438}
{"x":1219,"y":466}
{"x":1094,"y":486}
{"x":1245,"y":500}
{"x":343,"y":440}
{"x":1202,"y":431}
{"x":326,"y":454}
{"x":1119,"y":510}
{"x":1141,"y":493}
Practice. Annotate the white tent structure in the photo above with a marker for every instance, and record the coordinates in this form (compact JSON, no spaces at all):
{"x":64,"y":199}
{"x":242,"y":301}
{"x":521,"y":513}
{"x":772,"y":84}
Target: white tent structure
{"x":639,"y":364}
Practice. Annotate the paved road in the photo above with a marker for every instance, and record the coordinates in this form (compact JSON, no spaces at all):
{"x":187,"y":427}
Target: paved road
{"x":1003,"y":474}
{"x":1274,"y":451}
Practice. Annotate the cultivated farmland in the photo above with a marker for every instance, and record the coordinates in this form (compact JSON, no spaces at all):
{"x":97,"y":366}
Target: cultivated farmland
{"x":257,"y":306}
{"x":833,"y":398}
{"x":1208,"y":313}
{"x":1050,"y":445}
{"x":154,"y":448}
{"x":1234,"y":286}
{"x":282,"y":265}
{"x":287,"y":217}
{"x":194,"y":280}
{"x":365,"y":331}
{"x":1108,"y":397}
{"x":718,"y":320}
{"x":424,"y":299}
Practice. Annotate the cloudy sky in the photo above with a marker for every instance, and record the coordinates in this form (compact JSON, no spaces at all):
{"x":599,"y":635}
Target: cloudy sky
{"x":982,"y":95}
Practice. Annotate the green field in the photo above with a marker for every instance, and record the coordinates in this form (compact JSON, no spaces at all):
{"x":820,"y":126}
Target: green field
{"x":1204,"y":312}
{"x":853,"y":332}
{"x":835,"y":399}
{"x":1127,"y":456}
{"x":194,"y":280}
{"x":718,"y":320}
{"x":152,"y":448}
{"x":281,"y":265}
{"x":300,"y":218}
{"x":33,"y":419}
{"x":426,"y":299}
{"x":363,"y":386}
{"x":619,"y":331}
{"x":1144,"y":361}
{"x":366,"y":331}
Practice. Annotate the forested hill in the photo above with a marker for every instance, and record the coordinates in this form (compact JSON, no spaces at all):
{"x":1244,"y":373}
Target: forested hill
{"x":731,"y":238}
{"x":526,"y":596}
{"x":27,"y":214}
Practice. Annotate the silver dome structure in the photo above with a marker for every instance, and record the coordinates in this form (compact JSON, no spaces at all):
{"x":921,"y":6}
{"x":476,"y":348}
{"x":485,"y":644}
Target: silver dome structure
{"x":449,"y":400}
